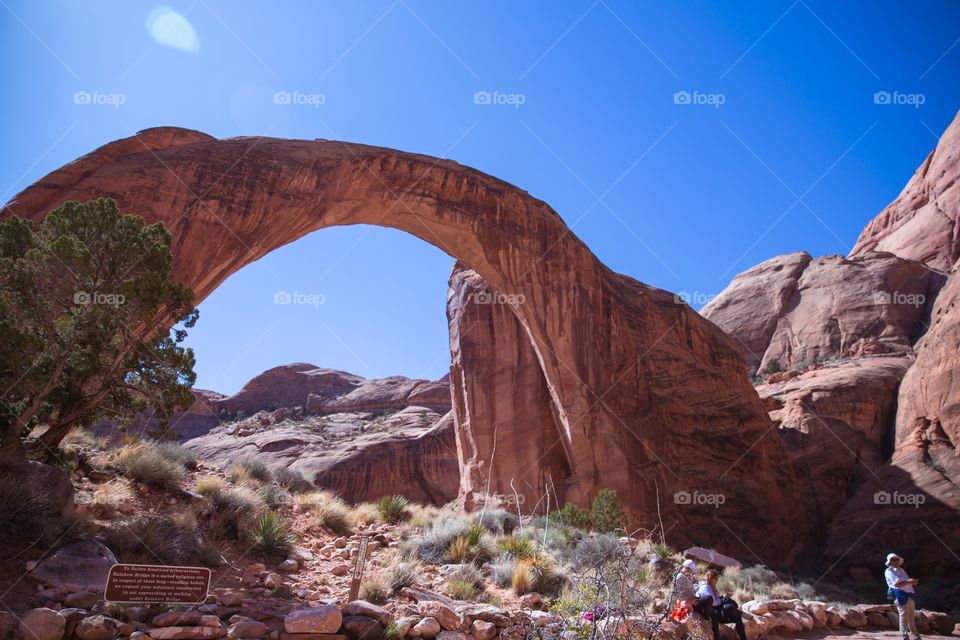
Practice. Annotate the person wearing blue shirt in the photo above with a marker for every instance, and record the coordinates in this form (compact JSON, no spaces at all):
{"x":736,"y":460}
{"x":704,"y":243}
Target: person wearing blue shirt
{"x":901,"y":587}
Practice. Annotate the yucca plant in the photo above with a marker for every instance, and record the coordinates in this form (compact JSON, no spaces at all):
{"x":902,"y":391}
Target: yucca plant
{"x":271,"y":536}
{"x":392,"y":509}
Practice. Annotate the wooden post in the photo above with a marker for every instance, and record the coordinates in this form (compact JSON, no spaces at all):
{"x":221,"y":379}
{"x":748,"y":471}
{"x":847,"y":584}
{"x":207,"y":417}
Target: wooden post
{"x":358,"y":568}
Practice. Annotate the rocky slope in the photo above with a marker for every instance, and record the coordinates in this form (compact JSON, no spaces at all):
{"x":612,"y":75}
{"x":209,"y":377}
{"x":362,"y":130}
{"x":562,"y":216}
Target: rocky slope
{"x":635,"y":381}
{"x":868,"y":403}
{"x":361,"y":438}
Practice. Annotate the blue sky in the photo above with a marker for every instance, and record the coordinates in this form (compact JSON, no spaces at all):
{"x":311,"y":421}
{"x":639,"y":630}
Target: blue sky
{"x":781,"y":145}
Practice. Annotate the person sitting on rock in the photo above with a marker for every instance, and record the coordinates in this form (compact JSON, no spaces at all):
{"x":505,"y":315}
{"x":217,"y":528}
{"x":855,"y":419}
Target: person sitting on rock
{"x":722,"y":610}
{"x":684,"y":586}
{"x":901,"y":589}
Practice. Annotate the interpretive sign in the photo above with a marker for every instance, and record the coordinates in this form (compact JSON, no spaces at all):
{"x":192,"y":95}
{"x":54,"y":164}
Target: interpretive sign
{"x":157,"y":583}
{"x":358,"y":568}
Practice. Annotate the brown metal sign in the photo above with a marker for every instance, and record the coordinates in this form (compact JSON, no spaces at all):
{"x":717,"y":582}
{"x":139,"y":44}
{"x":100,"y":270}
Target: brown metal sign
{"x":157,"y":583}
{"x":358,"y":568}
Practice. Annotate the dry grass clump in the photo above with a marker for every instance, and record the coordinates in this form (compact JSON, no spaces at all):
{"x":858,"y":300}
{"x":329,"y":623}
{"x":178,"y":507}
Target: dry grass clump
{"x":401,"y":568}
{"x":155,"y":540}
{"x":111,"y":497}
{"x":375,"y":589}
{"x":365,"y":513}
{"x":150,"y":465}
{"x":464,"y":583}
{"x":536,"y":575}
{"x":228,"y":512}
{"x":328,"y":509}
{"x":292,"y":480}
{"x":25,"y":511}
{"x":250,"y":472}
{"x":209,"y":485}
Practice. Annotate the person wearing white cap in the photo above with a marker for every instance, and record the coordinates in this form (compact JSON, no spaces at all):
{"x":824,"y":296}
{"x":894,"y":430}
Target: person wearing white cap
{"x":684,"y":583}
{"x":900,"y":586}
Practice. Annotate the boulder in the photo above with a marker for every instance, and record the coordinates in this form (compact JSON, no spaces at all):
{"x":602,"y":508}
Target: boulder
{"x":177,"y":619}
{"x":486,"y":612}
{"x":440,"y":612}
{"x":362,"y":628}
{"x":364,"y":608}
{"x":209,"y":620}
{"x":42,"y":624}
{"x":81,"y":600}
{"x":98,"y":627}
{"x":187,"y":633}
{"x":247,"y":629}
{"x":325,"y":619}
{"x":405,"y":624}
{"x":85,"y":563}
{"x":449,"y":634}
{"x":482,"y":630}
{"x":854,"y":619}
{"x":817,"y":611}
{"x":877,"y":619}
{"x":427,"y":628}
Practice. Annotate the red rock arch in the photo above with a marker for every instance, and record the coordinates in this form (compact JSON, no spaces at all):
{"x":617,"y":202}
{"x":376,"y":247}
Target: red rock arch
{"x":638,"y":392}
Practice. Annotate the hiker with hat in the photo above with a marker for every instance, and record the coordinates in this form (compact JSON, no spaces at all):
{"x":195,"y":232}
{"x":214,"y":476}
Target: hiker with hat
{"x":900,"y":591}
{"x":685,"y":587}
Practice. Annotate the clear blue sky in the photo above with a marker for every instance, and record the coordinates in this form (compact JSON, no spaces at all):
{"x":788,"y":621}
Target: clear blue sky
{"x":690,"y":194}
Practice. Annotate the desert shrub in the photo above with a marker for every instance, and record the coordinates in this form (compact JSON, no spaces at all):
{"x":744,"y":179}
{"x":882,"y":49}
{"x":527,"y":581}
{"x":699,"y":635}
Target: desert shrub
{"x":292,"y":480}
{"x":275,"y":496}
{"x":402,"y":573}
{"x":468,"y":546}
{"x":592,"y":551}
{"x":432,"y":545}
{"x":271,"y":536}
{"x":392,"y":509}
{"x":110,"y":496}
{"x":250,"y":472}
{"x":422,"y":515}
{"x":663,"y":550}
{"x":25,"y":511}
{"x":145,"y":463}
{"x":520,"y":547}
{"x":538,"y":575}
{"x":374,"y":589}
{"x":773,"y":367}
{"x":462,"y":590}
{"x":328,"y":509}
{"x":208,"y":485}
{"x":365,"y":513}
{"x":502,"y":570}
{"x":393,"y":631}
{"x":228,"y":510}
{"x":606,"y":515}
{"x":154,"y":540}
{"x":499,"y":521}
{"x":175,"y":453}
{"x":572,"y":515}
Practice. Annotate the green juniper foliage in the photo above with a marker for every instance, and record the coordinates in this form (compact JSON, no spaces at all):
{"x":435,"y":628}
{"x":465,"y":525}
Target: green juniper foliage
{"x":86,"y":300}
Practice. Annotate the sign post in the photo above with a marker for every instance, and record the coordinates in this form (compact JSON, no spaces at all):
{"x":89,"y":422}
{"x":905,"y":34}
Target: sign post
{"x":358,"y":568}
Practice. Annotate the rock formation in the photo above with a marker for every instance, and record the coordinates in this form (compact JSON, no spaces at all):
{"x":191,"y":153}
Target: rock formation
{"x":881,"y":454}
{"x":636,"y":382}
{"x":923,"y":223}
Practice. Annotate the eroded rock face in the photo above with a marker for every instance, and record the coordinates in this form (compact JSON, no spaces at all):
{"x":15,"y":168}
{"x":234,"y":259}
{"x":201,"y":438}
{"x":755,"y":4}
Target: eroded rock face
{"x":923,"y":223}
{"x":791,"y":312}
{"x":834,"y":421}
{"x":636,"y":381}
{"x":290,"y":385}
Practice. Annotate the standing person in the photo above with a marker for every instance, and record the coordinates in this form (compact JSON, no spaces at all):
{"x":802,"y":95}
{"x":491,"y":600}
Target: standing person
{"x":722,"y":609}
{"x":900,"y":586}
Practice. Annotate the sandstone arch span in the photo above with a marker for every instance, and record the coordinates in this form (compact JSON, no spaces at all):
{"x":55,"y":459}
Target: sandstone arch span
{"x":639,"y":393}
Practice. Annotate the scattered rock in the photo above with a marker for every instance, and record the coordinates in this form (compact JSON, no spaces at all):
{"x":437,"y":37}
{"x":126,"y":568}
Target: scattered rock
{"x":81,"y":600}
{"x":449,"y":634}
{"x":485,"y":612}
{"x":187,"y":633}
{"x":273,"y":581}
{"x":85,"y":563}
{"x":426,"y":628}
{"x":326,"y":619}
{"x":340,"y":570}
{"x":98,"y":627}
{"x":482,"y":630}
{"x":247,"y":629}
{"x":443,"y":614}
{"x":364,"y":608}
{"x":231,"y":599}
{"x":43,"y":624}
{"x":362,"y":628}
{"x":177,"y":619}
{"x":543,"y":618}
{"x":289,"y":566}
{"x":209,"y":620}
